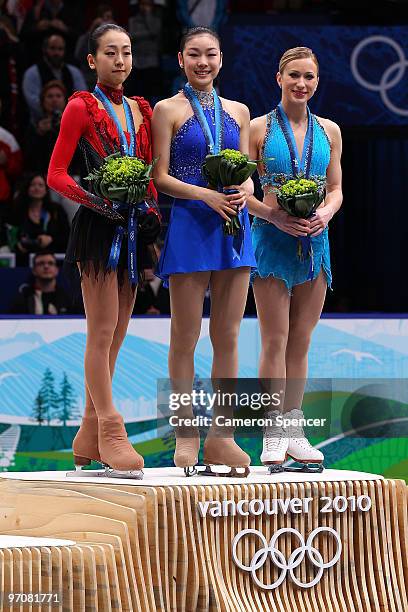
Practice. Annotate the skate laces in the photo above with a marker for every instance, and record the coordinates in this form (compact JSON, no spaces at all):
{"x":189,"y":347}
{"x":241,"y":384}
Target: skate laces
{"x":297,"y":433}
{"x":273,"y":434}
{"x":272,"y":443}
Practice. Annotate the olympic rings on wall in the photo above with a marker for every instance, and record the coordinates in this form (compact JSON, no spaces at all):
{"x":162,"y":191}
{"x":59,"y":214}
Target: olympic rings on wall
{"x":388,"y":79}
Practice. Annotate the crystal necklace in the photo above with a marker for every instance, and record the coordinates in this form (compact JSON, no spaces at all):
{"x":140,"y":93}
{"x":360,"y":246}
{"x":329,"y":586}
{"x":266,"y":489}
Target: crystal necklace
{"x":205,"y":98}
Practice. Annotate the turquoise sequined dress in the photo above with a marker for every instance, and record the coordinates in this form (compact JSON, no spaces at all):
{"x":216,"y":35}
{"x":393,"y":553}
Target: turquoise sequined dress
{"x":276,"y":252}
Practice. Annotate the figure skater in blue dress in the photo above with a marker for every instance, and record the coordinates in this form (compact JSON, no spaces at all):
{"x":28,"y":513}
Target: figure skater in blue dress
{"x":196,"y":253}
{"x":290,"y":290}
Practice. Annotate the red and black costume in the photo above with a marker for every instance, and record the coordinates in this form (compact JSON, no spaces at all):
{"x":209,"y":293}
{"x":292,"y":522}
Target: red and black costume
{"x":87,"y":126}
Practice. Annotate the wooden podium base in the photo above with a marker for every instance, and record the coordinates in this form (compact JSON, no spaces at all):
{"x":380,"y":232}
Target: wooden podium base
{"x":175,"y":543}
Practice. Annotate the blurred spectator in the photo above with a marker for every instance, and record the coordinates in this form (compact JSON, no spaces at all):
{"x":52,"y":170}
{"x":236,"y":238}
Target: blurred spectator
{"x":52,"y":67}
{"x":11,"y":163}
{"x":152,"y":298}
{"x":43,"y":295}
{"x":209,"y":13}
{"x":10,"y":54}
{"x":48,"y":17}
{"x":40,"y":225}
{"x":7,"y":25}
{"x":104,"y":14}
{"x":145,"y":28}
{"x":4,"y":246}
{"x":42,"y":134}
{"x":17,"y":10}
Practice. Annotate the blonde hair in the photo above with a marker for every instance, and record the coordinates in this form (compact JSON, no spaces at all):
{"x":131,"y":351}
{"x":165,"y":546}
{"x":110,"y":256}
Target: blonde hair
{"x":297,"y":53}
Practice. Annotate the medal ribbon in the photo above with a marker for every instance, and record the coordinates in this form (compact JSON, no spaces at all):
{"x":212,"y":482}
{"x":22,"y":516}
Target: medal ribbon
{"x":303,"y":165}
{"x":125,"y":148}
{"x":134,"y":210}
{"x":214,"y":145}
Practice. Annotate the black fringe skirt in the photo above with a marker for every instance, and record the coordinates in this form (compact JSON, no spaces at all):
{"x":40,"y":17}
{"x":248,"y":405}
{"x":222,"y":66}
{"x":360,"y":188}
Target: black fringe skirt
{"x":89,"y":245}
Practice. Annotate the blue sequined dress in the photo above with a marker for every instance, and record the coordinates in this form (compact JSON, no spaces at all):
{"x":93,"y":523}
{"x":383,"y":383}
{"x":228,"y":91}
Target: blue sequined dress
{"x":276,"y":252}
{"x":195,"y":241}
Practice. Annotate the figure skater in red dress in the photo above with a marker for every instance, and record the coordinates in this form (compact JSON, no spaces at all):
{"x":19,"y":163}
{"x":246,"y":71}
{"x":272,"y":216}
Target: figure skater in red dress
{"x":99,"y":124}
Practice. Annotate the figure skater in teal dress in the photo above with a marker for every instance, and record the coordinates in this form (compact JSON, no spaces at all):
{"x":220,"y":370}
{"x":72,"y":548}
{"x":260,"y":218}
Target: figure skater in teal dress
{"x":289,"y":289}
{"x":196,"y":254}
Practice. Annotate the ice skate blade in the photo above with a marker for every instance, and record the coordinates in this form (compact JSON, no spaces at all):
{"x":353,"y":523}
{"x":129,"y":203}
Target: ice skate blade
{"x":306,"y":468}
{"x":232,"y":472}
{"x":130,"y":474}
{"x":84,"y":473}
{"x":275,"y":468}
{"x":190,"y":470}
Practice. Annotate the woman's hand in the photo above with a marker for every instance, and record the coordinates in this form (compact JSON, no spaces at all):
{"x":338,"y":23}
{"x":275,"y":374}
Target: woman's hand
{"x":239,"y":199}
{"x":44,"y":126}
{"x":43,"y":24}
{"x":21,"y":248}
{"x":221,"y":203}
{"x":44,"y":240}
{"x":320,"y":220}
{"x":58,"y":24}
{"x":288,"y":223}
{"x":149,"y":227}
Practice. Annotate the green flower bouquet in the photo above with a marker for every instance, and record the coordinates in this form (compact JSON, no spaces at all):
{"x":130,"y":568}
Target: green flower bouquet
{"x":121,"y":178}
{"x":229,"y":167}
{"x":300,"y":196}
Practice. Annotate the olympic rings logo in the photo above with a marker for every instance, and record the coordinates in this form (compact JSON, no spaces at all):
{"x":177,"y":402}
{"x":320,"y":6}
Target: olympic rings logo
{"x":295,"y":559}
{"x":387,"y":81}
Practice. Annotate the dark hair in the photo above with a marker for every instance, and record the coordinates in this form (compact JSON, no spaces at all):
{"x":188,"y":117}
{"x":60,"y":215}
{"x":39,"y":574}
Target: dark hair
{"x":46,"y":40}
{"x":41,"y":254}
{"x":22,"y":199}
{"x":103,"y":8}
{"x":93,"y":42}
{"x":191,"y":32}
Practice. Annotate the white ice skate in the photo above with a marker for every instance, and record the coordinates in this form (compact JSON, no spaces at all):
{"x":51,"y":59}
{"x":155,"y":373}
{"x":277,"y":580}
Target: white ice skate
{"x":299,"y":447}
{"x":275,"y":444}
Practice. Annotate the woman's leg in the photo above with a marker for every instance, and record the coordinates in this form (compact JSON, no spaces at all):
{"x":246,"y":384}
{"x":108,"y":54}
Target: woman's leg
{"x":306,"y":307}
{"x":305,"y":310}
{"x":85,"y":444}
{"x":126,"y":303}
{"x":101,"y":302}
{"x":229,"y":290}
{"x":187,"y":292}
{"x":126,"y":298}
{"x":107,"y":311}
{"x":272,"y":305}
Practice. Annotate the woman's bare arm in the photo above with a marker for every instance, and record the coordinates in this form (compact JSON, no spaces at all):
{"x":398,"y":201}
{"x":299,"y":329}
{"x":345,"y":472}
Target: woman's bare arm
{"x":163,"y":121}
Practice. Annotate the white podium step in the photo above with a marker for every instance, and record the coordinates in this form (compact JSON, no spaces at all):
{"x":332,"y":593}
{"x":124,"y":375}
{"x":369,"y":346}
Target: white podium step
{"x":173,"y":476}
